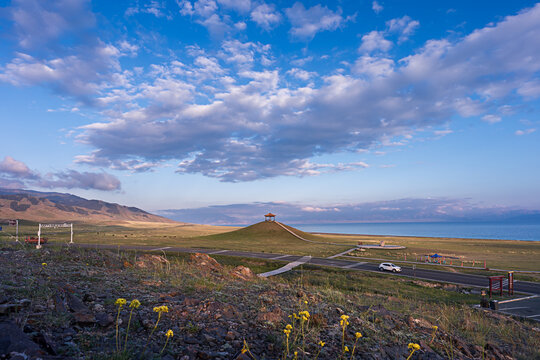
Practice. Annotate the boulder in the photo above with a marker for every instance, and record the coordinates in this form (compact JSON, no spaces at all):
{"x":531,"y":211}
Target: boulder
{"x":13,"y":339}
{"x":205,"y":262}
{"x":150,"y":261}
{"x":243,"y":273}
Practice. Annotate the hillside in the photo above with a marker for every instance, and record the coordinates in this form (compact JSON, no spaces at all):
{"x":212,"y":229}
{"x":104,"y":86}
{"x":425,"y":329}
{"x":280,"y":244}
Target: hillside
{"x":266,"y":231}
{"x":53,"y":206}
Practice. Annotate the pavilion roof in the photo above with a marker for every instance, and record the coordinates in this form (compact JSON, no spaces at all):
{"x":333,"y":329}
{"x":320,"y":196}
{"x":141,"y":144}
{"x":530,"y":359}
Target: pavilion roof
{"x":269,"y":215}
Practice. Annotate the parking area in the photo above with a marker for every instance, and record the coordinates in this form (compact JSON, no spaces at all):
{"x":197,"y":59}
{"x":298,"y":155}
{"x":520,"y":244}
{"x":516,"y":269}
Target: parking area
{"x":526,"y":307}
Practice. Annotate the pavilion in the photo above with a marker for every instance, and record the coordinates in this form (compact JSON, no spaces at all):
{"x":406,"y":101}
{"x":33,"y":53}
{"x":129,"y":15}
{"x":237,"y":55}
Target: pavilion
{"x":269,"y":217}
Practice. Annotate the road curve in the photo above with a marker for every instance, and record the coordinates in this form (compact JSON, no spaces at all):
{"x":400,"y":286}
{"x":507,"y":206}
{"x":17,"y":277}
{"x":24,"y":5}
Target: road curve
{"x":426,"y":274}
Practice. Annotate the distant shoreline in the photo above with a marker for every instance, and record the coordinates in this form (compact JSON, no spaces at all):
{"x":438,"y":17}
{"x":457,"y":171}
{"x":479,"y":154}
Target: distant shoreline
{"x":413,"y":236}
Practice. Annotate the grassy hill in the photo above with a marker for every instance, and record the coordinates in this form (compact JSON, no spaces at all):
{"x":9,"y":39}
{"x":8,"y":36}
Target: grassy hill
{"x":268,"y":236}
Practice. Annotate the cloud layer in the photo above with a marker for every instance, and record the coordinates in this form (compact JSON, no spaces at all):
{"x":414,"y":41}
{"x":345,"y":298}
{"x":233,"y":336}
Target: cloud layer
{"x":236,"y":113}
{"x":401,"y":210}
{"x":16,"y":174}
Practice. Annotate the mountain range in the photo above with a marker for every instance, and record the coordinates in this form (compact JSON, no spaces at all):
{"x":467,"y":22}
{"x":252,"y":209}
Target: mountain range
{"x":54,"y":206}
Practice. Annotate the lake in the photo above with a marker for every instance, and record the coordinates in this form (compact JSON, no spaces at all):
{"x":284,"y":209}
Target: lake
{"x":472,"y":230}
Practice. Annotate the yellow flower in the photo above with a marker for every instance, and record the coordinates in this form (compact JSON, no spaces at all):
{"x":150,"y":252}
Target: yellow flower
{"x":134,"y":303}
{"x":161,"y":309}
{"x":244,"y":350}
{"x":346,"y":349}
{"x":345,"y":317}
{"x":287,"y":332}
{"x":321,"y":343}
{"x":120,"y":302}
{"x":435,"y":327}
{"x":43,"y":264}
{"x":288,"y":327}
{"x":410,"y":346}
{"x":416,"y":347}
{"x":169,"y":333}
{"x":358,"y":335}
{"x":305,"y":302}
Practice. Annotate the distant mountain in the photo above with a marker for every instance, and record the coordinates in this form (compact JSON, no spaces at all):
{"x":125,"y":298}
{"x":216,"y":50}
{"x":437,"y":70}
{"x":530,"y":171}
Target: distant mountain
{"x":53,"y":206}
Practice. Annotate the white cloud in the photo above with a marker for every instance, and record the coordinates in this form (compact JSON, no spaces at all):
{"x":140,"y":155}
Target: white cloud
{"x":10,"y":166}
{"x":376,"y":7}
{"x":15,"y":173}
{"x":37,"y":23}
{"x":155,"y":8}
{"x":374,"y":66}
{"x":404,"y":26}
{"x":241,"y":6}
{"x":266,"y":16}
{"x":223,"y":113}
{"x":492,"y":119}
{"x":530,"y":89}
{"x":301,"y":74}
{"x":307,"y":22}
{"x":525,"y":132}
{"x":391,"y":210}
{"x":375,"y":41}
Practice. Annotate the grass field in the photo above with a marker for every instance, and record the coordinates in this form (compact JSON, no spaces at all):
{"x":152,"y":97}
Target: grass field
{"x":267,"y":237}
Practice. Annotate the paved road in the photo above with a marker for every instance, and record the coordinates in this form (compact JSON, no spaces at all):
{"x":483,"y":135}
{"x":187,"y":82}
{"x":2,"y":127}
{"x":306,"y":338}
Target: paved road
{"x":426,"y":274}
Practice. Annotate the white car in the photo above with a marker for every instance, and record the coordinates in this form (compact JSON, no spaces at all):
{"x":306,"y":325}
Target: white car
{"x":389,"y":267}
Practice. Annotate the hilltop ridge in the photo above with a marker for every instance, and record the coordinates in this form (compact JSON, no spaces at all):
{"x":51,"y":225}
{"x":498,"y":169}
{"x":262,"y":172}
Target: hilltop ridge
{"x":53,"y":206}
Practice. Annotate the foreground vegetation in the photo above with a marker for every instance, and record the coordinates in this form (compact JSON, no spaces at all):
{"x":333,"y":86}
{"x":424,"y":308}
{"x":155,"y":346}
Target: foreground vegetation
{"x":69,"y":297}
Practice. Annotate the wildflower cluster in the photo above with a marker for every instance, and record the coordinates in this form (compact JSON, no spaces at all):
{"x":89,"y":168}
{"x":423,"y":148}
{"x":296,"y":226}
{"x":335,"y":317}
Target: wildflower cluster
{"x":133,"y":305}
{"x":412,"y":347}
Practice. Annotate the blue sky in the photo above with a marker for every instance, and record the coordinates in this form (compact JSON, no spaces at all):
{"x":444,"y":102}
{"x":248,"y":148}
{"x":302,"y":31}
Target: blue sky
{"x":321,"y":106}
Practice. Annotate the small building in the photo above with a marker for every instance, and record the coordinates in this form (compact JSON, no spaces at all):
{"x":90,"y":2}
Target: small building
{"x":269,"y":217}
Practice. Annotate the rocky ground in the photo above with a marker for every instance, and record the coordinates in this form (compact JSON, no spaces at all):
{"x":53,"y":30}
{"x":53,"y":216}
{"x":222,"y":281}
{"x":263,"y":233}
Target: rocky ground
{"x":59,"y":303}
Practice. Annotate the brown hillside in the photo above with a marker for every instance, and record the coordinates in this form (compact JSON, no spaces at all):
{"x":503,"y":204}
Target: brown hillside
{"x":38,"y":206}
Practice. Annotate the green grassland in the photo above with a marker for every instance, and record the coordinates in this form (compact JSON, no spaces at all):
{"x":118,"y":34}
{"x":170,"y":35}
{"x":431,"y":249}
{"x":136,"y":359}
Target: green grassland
{"x":269,"y":237}
{"x":501,"y":254}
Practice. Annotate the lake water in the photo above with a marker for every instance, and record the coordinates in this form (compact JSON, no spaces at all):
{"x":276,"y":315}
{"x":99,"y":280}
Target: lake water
{"x":476,"y":230}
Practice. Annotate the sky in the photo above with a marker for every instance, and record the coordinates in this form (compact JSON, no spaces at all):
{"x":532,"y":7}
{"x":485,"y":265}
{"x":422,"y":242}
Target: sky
{"x":421,"y":108}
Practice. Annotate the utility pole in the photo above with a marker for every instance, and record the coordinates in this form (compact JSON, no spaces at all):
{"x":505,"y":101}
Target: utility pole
{"x":38,"y":246}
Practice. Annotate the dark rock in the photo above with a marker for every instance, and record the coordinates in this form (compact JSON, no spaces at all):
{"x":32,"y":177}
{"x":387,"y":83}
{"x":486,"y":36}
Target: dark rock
{"x":203,"y":355}
{"x":45,"y":342}
{"x":191,"y":340}
{"x":89,"y":297}
{"x":209,"y":339}
{"x":242,"y":357}
{"x":75,"y":304}
{"x":104,"y":319}
{"x":12,"y":339}
{"x":59,"y":303}
{"x":84,"y":318}
{"x":191,"y":302}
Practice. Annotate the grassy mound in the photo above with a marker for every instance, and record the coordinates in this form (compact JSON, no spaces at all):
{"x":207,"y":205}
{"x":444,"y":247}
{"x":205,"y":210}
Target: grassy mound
{"x":270,"y":237}
{"x":267,"y":231}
